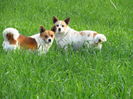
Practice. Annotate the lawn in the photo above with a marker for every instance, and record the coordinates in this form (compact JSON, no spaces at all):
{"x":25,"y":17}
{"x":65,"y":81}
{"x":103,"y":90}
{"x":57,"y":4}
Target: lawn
{"x":81,"y":74}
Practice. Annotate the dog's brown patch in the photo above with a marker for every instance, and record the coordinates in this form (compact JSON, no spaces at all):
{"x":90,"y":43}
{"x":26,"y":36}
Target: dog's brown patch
{"x":9,"y":36}
{"x":63,"y":23}
{"x":45,"y":35}
{"x":27,"y":42}
{"x":82,"y":33}
{"x":94,"y":34}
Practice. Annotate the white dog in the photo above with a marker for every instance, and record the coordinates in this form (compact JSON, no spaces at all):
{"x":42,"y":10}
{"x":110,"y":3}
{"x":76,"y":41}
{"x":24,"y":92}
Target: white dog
{"x":64,"y":36}
{"x":40,"y":42}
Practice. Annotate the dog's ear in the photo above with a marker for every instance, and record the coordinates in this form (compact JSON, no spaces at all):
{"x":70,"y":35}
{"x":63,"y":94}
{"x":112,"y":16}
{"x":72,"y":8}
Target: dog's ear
{"x":42,"y":29}
{"x":67,"y":20}
{"x":55,"y":19}
{"x":53,"y":28}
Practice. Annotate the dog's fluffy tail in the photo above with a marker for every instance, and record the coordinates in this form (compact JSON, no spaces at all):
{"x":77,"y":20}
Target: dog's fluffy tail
{"x":10,"y":36}
{"x":99,"y":38}
{"x":10,"y":33}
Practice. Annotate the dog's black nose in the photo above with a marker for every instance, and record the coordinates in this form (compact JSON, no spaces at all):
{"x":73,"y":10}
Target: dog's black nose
{"x":59,"y":29}
{"x":49,"y":40}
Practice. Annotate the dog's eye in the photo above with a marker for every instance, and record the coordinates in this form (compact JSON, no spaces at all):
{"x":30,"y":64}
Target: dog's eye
{"x":46,"y":36}
{"x":62,"y":25}
{"x":57,"y":25}
{"x":51,"y":35}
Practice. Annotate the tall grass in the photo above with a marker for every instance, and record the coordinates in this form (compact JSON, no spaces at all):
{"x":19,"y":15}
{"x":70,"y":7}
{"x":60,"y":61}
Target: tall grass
{"x":59,"y":74}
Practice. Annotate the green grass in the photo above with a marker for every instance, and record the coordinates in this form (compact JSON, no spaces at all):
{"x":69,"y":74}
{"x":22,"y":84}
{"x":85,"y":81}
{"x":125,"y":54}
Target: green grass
{"x":81,"y":74}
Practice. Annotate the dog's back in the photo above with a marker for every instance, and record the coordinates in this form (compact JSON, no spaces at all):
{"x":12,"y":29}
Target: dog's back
{"x":27,"y":42}
{"x":13,"y":40}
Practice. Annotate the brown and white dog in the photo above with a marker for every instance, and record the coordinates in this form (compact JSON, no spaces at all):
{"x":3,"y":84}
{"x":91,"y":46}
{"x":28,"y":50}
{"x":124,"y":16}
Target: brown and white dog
{"x":64,"y":35}
{"x":40,"y":42}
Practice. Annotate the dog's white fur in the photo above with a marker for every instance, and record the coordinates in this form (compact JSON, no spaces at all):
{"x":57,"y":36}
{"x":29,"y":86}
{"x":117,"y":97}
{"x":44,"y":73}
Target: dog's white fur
{"x":42,"y":46}
{"x":6,"y":45}
{"x":68,"y":36}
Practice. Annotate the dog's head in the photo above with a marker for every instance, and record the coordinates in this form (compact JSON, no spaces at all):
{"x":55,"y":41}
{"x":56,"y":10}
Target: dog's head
{"x":60,"y":26}
{"x":46,"y":35}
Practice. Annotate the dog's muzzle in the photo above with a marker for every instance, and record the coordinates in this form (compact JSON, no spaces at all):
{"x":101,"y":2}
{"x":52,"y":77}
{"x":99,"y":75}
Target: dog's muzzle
{"x":49,"y":40}
{"x":59,"y":29}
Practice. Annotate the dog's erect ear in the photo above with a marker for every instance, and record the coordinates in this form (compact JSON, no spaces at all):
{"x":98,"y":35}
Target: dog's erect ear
{"x":53,"y":28}
{"x":55,"y":19}
{"x":42,"y":29}
{"x":67,"y":20}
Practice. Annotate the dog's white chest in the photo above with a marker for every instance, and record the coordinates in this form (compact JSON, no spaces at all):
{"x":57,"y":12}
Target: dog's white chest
{"x":42,"y":46}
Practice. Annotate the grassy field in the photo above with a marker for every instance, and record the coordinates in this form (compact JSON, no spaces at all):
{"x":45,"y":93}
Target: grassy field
{"x":82,"y":74}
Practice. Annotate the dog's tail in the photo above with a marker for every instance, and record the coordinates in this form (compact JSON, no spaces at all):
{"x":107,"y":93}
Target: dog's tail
{"x":100,"y":38}
{"x":10,"y":34}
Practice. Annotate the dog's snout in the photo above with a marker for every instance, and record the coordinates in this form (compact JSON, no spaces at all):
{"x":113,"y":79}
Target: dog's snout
{"x":59,"y":29}
{"x":49,"y":40}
